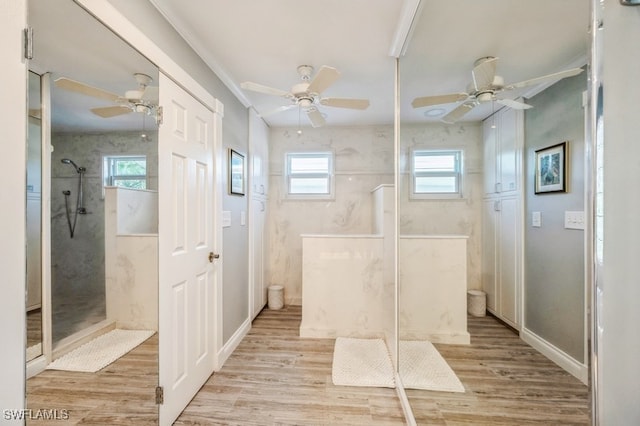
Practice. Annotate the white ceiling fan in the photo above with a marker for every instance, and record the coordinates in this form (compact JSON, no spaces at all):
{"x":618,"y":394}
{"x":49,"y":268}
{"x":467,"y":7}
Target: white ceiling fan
{"x":144,"y":99}
{"x":484,"y":87}
{"x":306,"y":95}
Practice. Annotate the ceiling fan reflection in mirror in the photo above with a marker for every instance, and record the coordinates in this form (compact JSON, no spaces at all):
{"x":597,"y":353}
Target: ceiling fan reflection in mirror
{"x":144,"y":99}
{"x":307,"y":95}
{"x":484,"y":87}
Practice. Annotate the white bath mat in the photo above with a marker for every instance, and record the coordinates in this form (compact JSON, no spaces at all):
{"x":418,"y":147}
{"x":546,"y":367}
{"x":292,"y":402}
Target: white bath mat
{"x":422,"y":367}
{"x":101,"y":351}
{"x":362,"y":362}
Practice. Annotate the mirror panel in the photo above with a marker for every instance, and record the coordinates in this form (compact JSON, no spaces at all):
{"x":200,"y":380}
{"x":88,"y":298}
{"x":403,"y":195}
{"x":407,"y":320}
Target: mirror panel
{"x":443,"y":244}
{"x":102,"y":140}
{"x":34,"y":220}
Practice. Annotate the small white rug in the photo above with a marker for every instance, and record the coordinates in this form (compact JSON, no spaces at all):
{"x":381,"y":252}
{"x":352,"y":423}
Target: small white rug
{"x":422,"y":367}
{"x":101,"y":351}
{"x":362,"y":362}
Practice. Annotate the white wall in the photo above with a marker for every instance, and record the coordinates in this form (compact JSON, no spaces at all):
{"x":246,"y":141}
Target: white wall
{"x":619,"y":289}
{"x":13,"y":122}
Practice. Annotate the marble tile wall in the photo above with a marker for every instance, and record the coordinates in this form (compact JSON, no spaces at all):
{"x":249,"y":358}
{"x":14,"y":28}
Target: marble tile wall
{"x":78,"y":273}
{"x":363,"y":161}
{"x":446,"y":217}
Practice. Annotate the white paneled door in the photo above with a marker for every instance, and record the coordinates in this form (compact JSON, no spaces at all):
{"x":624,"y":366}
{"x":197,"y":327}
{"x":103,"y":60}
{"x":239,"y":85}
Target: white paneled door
{"x":187,"y":267}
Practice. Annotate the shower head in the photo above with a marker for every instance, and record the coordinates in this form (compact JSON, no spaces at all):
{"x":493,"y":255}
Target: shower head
{"x":78,"y":169}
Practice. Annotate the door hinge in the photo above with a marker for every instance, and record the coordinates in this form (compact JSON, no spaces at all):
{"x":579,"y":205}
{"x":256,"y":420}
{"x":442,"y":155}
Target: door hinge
{"x":28,"y":43}
{"x":159,"y":115}
{"x":159,"y":395}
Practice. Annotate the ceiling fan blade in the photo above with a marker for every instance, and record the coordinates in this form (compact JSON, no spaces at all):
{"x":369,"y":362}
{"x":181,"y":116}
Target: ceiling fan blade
{"x":76,"y":86}
{"x":324,"y":78}
{"x":112,"y":111}
{"x":315,"y":117}
{"x":458,"y":112}
{"x":484,"y":72}
{"x":438,"y":100}
{"x":557,"y":76}
{"x":255,"y":87}
{"x":345,"y":103}
{"x":277,"y":110}
{"x":513,"y":104}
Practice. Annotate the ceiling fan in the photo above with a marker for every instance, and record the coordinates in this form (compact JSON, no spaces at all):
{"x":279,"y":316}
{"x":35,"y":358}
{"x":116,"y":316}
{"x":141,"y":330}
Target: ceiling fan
{"x":484,"y":87}
{"x":306,"y":95}
{"x":144,"y":99}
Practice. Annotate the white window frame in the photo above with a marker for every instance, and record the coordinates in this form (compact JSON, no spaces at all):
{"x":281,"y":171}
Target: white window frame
{"x":329,"y":175}
{"x":458,"y":174}
{"x":108,"y":177}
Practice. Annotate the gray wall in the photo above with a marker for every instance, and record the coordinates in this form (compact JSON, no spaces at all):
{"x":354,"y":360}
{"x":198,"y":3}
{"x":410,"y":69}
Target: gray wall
{"x":554,"y":257}
{"x":235,"y":126}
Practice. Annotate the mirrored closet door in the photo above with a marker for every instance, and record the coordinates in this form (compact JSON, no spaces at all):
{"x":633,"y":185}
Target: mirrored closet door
{"x":98,"y":214}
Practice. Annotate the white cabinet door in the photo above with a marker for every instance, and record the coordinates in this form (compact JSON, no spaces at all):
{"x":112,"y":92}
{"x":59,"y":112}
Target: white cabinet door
{"x":502,"y":136}
{"x":489,"y":248}
{"x":508,"y":150}
{"x":257,"y":256}
{"x":489,"y":128}
{"x":259,"y":152}
{"x":187,"y":273}
{"x":509,"y":255}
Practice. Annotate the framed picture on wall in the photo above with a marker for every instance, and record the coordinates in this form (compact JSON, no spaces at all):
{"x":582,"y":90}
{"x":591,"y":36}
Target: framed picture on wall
{"x":236,"y":173}
{"x":551,"y":169}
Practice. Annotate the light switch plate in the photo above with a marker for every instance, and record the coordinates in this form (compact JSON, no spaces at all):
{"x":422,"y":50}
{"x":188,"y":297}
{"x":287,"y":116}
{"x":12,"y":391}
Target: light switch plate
{"x":574,"y":220}
{"x":226,"y":219}
{"x":536,"y":219}
{"x":243,"y":218}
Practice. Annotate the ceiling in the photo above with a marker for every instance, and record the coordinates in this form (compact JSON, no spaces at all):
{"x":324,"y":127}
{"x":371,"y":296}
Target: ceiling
{"x":265,"y":41}
{"x":68,"y":42}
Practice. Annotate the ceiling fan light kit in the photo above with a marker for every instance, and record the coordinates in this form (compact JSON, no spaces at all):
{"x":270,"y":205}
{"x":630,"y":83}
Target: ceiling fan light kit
{"x":484,"y":87}
{"x":307,"y":95}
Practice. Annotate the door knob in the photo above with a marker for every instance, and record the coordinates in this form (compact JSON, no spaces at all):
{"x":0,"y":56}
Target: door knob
{"x":213,"y":256}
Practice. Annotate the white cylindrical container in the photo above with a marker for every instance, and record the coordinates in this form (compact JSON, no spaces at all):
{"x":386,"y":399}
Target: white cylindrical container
{"x":275,"y":297}
{"x":477,"y":303}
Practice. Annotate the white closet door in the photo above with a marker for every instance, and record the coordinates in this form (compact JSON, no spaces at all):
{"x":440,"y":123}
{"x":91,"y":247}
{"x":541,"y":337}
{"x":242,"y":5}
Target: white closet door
{"x":186,"y":240}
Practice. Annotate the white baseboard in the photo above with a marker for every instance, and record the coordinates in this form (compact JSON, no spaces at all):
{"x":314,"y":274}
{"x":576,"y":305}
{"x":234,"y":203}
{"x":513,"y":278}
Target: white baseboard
{"x":232,"y":344}
{"x":570,"y":365}
{"x":36,"y":366}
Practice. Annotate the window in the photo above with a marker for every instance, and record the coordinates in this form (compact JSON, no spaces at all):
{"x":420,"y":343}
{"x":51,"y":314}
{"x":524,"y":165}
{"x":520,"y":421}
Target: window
{"x":436,"y":173}
{"x":309,"y":175}
{"x":125,"y":171}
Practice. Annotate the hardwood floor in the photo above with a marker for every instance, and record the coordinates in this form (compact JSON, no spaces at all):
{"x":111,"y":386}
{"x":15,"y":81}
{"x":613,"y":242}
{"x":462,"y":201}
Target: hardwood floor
{"x":275,"y":377}
{"x":122,"y":393}
{"x":507,"y":382}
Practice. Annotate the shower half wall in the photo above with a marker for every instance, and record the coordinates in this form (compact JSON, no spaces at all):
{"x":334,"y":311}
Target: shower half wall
{"x":78,"y":264}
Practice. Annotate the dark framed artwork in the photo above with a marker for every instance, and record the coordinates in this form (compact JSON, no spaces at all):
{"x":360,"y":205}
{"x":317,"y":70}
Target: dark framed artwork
{"x":551,"y":169}
{"x":236,"y":173}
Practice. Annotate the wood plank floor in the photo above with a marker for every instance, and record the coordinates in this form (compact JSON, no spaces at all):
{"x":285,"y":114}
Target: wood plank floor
{"x":507,"y":382}
{"x":275,"y":377}
{"x":122,"y":393}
